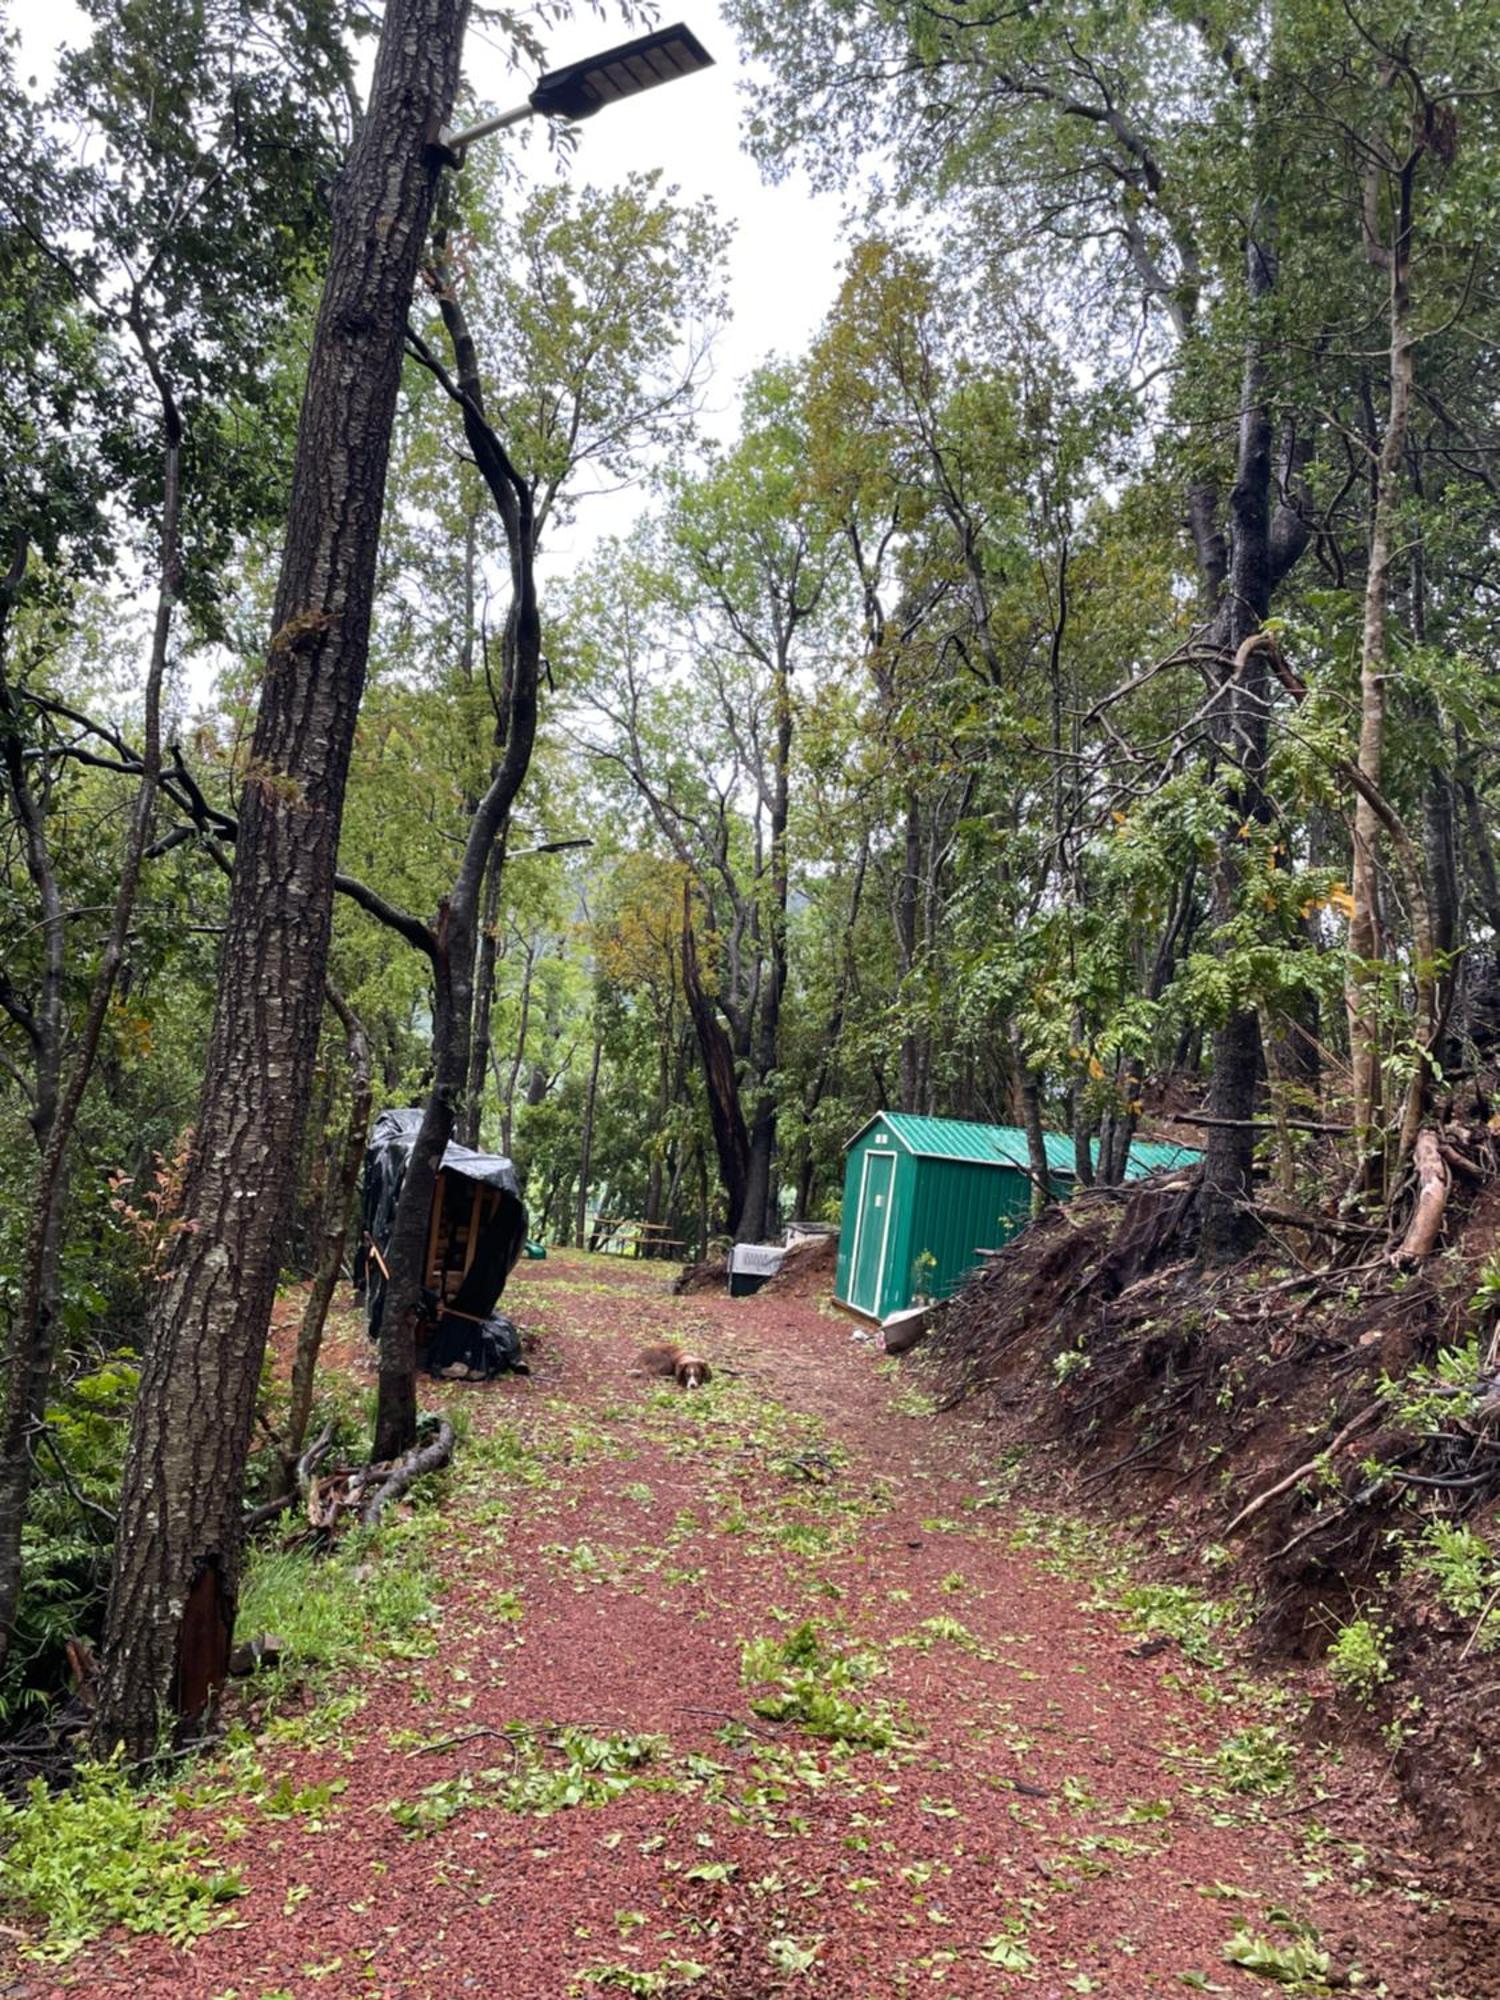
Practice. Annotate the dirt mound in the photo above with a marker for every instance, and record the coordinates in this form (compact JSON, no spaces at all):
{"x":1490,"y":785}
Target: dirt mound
{"x":710,"y":1276}
{"x":806,"y":1270}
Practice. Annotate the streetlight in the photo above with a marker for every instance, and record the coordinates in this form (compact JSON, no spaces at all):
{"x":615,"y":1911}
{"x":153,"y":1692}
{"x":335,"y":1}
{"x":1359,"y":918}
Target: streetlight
{"x":580,"y":89}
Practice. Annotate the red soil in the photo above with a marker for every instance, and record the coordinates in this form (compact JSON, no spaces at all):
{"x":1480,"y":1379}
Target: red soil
{"x":1025,"y":1805}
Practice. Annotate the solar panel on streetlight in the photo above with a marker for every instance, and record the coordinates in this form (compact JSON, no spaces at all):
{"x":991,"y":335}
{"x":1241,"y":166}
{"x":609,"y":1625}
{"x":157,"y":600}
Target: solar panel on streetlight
{"x":580,"y":89}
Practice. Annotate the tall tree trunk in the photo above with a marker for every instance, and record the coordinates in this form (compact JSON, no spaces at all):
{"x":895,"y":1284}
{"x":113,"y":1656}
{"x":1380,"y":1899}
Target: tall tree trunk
{"x":758,"y":1221}
{"x":1029,"y":1090}
{"x":906,"y":951}
{"x":456,"y":936}
{"x":178,"y":1547}
{"x":1227,"y":1228}
{"x":725,"y":1113}
{"x":508,"y":1107}
{"x":333,"y":1233}
{"x":1361,"y":991}
{"x":586,"y":1148}
{"x":484,"y":1000}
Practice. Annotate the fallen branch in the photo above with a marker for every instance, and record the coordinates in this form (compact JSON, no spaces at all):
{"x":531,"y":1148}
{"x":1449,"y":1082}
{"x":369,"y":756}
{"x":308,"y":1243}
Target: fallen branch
{"x":1354,"y":1425}
{"x":1252,"y":1124}
{"x":404,"y":1473}
{"x":1323,"y":1225}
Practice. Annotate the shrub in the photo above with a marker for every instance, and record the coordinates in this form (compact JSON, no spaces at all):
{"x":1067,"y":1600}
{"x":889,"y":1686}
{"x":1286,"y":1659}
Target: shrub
{"x":1359,"y":1659}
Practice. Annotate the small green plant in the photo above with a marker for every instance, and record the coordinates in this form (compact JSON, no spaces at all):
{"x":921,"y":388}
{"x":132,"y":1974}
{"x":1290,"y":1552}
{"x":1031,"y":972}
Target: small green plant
{"x":98,"y":1855}
{"x":552,"y":1771}
{"x":1256,"y":1759}
{"x":1296,"y":1961}
{"x":1359,"y":1658}
{"x":1462,"y":1565}
{"x":809,"y":1678}
{"x":1072,"y":1361}
{"x":1194,"y":1621}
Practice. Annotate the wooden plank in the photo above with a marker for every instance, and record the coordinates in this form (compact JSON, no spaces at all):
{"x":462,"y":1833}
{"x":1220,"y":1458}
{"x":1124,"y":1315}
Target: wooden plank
{"x":439,"y":1196}
{"x":472,"y":1245}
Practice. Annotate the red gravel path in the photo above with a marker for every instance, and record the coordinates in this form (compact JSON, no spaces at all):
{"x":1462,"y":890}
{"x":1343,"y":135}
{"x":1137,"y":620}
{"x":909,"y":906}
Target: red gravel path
{"x":1114,"y":1868}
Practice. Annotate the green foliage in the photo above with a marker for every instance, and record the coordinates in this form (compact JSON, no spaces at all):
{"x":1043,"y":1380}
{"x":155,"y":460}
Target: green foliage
{"x":1359,"y":1658}
{"x":370,"y":1596}
{"x":592,"y":1771}
{"x":100,"y":1854}
{"x":1462,"y":1564}
{"x":1256,"y":1760}
{"x":68,"y":1536}
{"x":1297,"y":1962}
{"x":811,"y":1678}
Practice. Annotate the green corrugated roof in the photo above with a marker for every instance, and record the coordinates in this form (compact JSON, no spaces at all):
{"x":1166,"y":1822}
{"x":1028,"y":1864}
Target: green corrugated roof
{"x":1005,"y":1145}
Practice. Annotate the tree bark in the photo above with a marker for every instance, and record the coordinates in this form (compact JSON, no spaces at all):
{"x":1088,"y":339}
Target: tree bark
{"x":725,"y":1114}
{"x":586,"y":1149}
{"x":758,"y":1221}
{"x":454,"y":941}
{"x":1226,"y":1226}
{"x":1361,"y":991}
{"x":178,"y":1549}
{"x":333,"y":1235}
{"x":484,"y":1000}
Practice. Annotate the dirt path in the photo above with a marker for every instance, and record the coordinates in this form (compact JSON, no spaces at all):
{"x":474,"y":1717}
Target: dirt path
{"x":966,"y":1775}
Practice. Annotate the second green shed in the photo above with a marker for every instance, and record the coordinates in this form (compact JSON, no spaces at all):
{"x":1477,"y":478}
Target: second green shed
{"x":924,"y":1196}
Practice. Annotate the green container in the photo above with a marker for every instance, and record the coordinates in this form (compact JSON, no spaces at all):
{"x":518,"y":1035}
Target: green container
{"x":924,"y":1196}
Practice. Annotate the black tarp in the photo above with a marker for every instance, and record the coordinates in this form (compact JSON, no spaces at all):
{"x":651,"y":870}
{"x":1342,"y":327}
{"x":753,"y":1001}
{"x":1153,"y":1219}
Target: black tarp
{"x":500,"y":1242}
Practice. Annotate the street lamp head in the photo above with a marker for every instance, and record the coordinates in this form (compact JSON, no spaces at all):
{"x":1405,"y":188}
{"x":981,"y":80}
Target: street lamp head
{"x":580,"y":89}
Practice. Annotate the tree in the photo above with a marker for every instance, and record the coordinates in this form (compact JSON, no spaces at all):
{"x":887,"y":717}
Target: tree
{"x":178,"y":1546}
{"x":124,"y":251}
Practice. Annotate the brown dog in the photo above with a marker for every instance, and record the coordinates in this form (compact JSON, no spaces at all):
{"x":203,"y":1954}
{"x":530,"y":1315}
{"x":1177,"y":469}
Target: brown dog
{"x":688,"y":1370}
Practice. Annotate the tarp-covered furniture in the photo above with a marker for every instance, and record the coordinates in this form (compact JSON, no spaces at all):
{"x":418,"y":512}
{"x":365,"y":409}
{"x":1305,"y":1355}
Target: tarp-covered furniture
{"x":474,"y":1237}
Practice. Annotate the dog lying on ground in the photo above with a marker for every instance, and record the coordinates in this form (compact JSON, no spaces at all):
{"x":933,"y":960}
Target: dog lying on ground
{"x":688,"y":1370}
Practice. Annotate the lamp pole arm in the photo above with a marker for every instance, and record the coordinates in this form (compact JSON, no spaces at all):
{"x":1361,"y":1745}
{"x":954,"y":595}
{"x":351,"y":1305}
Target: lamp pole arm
{"x":455,"y":142}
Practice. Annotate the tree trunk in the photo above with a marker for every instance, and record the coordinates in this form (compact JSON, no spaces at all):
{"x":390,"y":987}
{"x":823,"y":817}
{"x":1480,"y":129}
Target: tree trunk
{"x":455,"y":939}
{"x":1361,"y":991}
{"x":906,"y":952}
{"x":484,"y":1000}
{"x":758,"y":1222}
{"x":178,"y":1547}
{"x":333,"y":1235}
{"x":1227,"y":1228}
{"x":586,"y":1148}
{"x":508,"y":1108}
{"x":1029,"y":1089}
{"x":726,"y":1116}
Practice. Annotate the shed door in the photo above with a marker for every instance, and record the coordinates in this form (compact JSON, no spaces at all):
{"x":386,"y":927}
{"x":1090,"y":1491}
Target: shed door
{"x":872,"y":1232}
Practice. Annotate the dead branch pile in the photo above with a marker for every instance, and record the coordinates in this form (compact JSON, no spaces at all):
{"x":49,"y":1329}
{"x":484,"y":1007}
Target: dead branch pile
{"x":363,"y":1493}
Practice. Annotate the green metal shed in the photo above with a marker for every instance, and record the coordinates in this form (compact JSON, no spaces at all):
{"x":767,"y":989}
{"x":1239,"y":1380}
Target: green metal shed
{"x":923,"y":1196}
